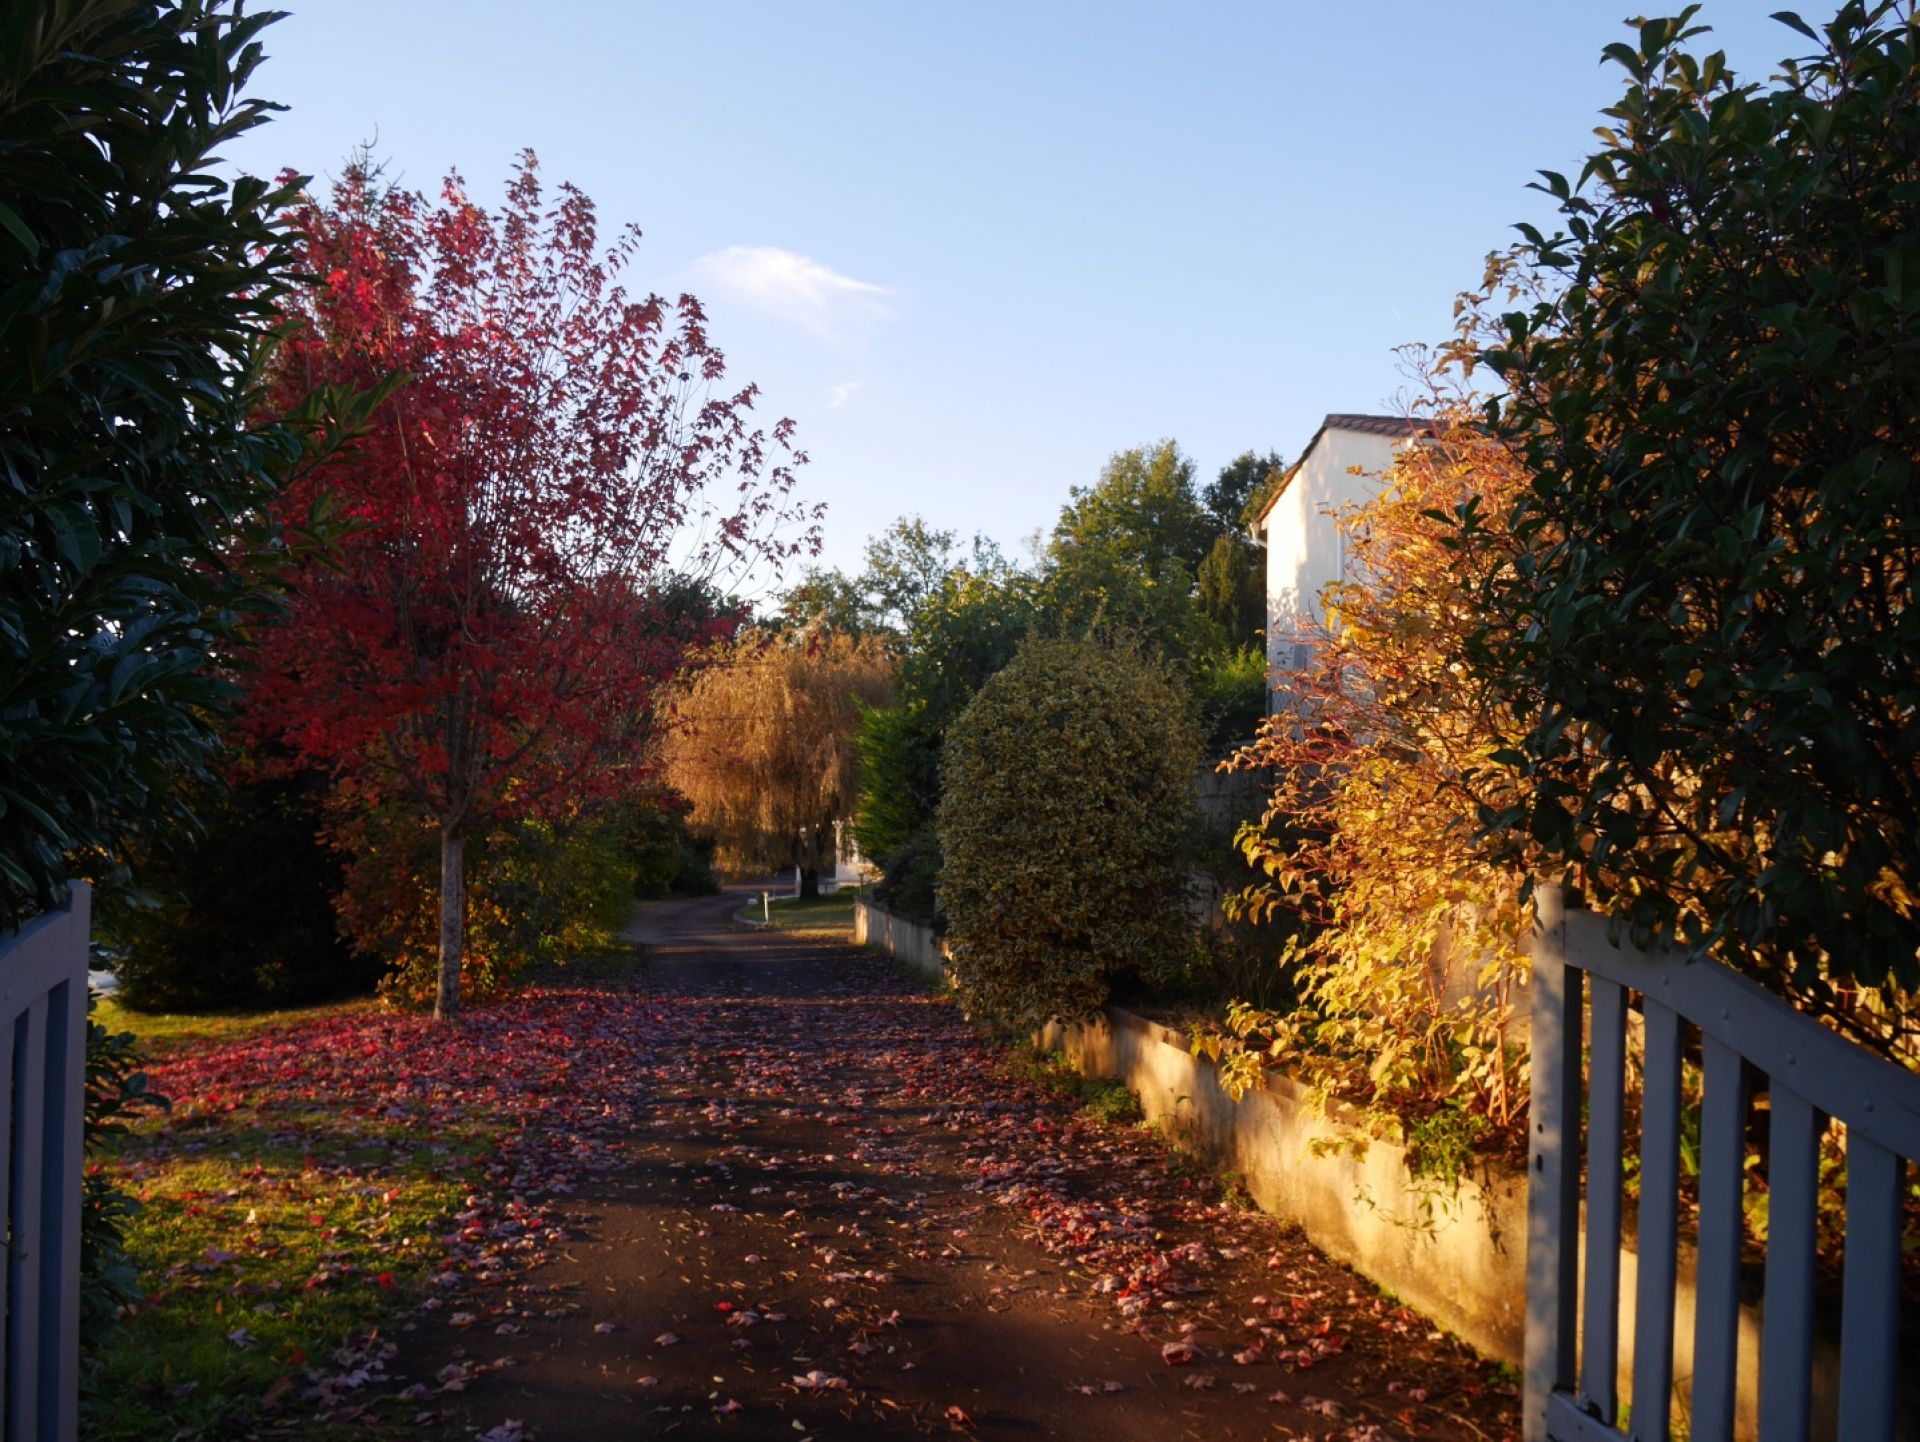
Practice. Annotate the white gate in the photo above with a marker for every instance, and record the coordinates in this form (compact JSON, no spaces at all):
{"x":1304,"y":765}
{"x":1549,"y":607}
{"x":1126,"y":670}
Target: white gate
{"x":1811,"y":1076}
{"x":43,"y":1054}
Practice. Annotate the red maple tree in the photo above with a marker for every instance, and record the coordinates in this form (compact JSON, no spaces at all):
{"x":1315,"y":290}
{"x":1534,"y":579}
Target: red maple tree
{"x":560,"y":463}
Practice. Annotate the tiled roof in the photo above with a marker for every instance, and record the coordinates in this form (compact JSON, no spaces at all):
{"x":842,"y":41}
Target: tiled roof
{"x":1343,"y":421}
{"x":1374,"y":426}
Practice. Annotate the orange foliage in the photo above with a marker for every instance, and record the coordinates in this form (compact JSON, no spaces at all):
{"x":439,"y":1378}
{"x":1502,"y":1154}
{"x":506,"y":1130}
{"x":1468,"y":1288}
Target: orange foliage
{"x":1407,"y":969}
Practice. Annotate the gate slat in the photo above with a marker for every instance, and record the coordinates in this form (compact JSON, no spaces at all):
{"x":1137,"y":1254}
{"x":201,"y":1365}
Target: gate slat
{"x":7,"y":1027}
{"x":1870,"y":1320}
{"x":1553,"y":1201}
{"x":63,"y":1137}
{"x":23,"y":1191}
{"x":1716,"y":1336}
{"x":1786,"y":1337}
{"x":1606,"y":1142}
{"x":1659,"y":1240}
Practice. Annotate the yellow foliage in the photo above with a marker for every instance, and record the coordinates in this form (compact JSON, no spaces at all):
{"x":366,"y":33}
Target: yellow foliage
{"x":1408,"y":971}
{"x":760,"y":741}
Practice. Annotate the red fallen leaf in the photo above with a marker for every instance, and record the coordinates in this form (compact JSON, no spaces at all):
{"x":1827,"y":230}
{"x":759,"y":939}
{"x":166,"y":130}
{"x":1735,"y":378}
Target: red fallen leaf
{"x":723,"y":1306}
{"x":385,"y":1279}
{"x":957,"y":1417}
{"x":297,"y":1356}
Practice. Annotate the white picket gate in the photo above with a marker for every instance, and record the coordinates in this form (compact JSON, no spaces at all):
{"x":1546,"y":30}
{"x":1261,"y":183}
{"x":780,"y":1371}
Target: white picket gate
{"x":43,"y":1051}
{"x":1811,"y":1076}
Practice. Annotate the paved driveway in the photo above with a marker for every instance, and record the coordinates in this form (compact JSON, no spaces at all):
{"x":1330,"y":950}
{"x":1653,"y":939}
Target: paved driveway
{"x":837,"y":1213}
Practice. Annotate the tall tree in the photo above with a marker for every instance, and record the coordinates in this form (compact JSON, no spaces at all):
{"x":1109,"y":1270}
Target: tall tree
{"x":561,"y":456}
{"x":906,"y":566}
{"x":1232,"y":577}
{"x":1124,"y":552}
{"x":1231,"y":589}
{"x":763,"y":745}
{"x":1143,"y":510}
{"x":1240,"y":488}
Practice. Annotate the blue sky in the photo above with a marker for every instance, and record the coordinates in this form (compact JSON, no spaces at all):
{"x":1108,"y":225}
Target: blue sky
{"x":974,"y":249}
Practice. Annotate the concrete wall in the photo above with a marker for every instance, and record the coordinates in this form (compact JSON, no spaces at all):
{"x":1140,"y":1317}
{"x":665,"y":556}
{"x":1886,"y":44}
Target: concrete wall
{"x":1460,"y":1260}
{"x":1455,"y":1256}
{"x":919,"y":948}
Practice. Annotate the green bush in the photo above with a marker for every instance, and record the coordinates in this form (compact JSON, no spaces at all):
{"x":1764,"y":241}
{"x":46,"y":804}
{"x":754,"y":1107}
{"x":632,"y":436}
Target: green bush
{"x":1066,"y":820}
{"x":536,"y":891}
{"x":139,"y":299}
{"x":899,"y":754}
{"x":910,"y":880}
{"x":240,"y":909}
{"x":1231,"y":687}
{"x":116,"y":1091}
{"x":667,"y":859}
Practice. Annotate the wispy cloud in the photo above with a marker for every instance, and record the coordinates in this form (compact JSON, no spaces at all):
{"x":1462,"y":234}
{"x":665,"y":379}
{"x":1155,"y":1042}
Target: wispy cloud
{"x":840,"y":394}
{"x":795,"y":288}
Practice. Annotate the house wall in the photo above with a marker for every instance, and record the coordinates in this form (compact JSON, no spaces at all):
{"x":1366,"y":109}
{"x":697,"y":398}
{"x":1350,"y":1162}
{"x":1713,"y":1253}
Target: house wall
{"x":1305,"y":550}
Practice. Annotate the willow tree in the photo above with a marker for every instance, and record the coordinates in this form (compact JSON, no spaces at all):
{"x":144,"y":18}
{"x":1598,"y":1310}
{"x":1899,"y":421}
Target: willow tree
{"x":762,"y":745}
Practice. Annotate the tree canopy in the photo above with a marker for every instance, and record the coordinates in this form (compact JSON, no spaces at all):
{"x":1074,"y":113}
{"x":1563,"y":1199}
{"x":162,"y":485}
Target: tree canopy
{"x":1709,"y":634}
{"x":1241,"y":487}
{"x":1143,"y":511}
{"x":762,"y":743}
{"x":524,"y":512}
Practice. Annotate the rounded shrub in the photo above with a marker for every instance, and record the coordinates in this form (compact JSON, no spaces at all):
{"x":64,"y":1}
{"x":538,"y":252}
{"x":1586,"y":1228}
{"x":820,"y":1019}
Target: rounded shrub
{"x":1066,"y":816}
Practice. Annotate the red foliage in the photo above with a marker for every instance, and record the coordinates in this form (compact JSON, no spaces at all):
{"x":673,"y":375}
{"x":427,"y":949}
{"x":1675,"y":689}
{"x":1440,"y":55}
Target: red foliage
{"x":528,"y":512}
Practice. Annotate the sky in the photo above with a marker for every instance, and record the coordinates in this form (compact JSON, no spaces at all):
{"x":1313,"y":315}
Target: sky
{"x":974,"y":249}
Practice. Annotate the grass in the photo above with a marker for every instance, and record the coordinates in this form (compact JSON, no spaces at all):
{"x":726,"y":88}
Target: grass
{"x":163,"y":1034}
{"x":1103,"y":1098}
{"x":828,"y":914}
{"x":254,"y":1272}
{"x":274,"y":1228}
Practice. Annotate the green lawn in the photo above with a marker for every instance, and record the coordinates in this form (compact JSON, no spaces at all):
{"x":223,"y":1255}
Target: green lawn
{"x":289,"y":1205}
{"x":165,"y":1033}
{"x":826,"y":915}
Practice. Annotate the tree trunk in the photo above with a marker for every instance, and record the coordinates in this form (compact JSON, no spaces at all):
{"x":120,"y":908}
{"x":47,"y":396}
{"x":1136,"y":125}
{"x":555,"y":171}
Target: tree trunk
{"x":453,"y":915}
{"x":809,"y":881}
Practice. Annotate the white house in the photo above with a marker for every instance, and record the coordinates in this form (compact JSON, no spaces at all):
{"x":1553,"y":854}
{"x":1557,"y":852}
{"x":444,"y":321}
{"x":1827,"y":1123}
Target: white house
{"x":1341,"y":467}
